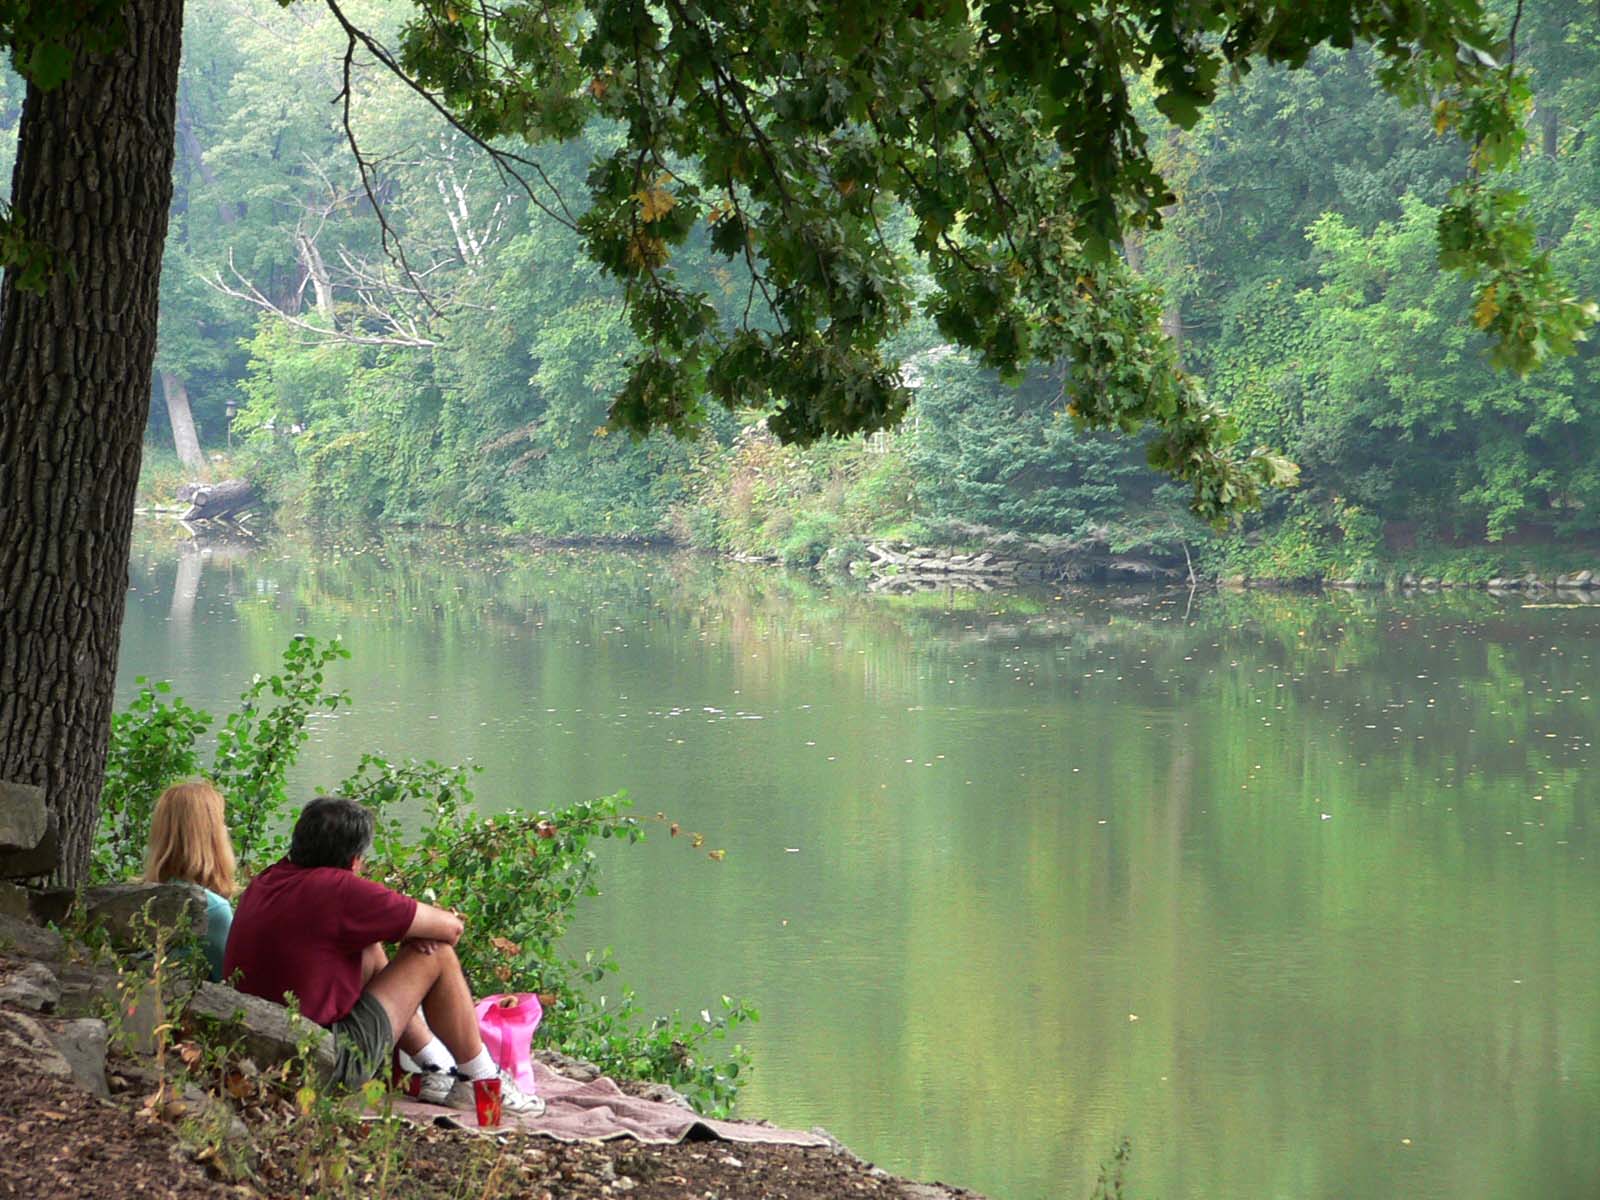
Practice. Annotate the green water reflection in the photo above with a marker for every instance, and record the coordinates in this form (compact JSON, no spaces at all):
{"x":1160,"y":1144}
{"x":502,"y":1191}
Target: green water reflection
{"x":1299,"y":893}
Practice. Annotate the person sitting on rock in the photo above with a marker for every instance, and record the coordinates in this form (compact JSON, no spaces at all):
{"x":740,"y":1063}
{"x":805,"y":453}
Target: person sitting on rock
{"x":311,"y":927}
{"x":189,"y":843}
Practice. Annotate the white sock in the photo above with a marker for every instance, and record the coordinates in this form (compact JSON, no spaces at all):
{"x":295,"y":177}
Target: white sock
{"x":480,"y":1066}
{"x":434,"y":1056}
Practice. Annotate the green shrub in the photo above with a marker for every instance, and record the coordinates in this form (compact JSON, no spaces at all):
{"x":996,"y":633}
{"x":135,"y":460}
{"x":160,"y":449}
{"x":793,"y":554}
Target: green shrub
{"x":810,"y":536}
{"x":514,"y":876}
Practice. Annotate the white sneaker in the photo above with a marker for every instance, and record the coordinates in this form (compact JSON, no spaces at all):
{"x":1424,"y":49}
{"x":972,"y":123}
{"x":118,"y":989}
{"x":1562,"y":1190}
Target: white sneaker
{"x":512,"y":1098}
{"x":434,"y":1086}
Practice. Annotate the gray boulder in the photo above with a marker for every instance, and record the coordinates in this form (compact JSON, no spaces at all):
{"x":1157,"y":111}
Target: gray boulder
{"x":43,"y":906}
{"x":27,"y":1036}
{"x":37,"y":860}
{"x":23,"y":939}
{"x":24,"y":820}
{"x":86,"y":987}
{"x":82,"y":1044}
{"x":265,"y":1032}
{"x":32,"y":986}
{"x":130,"y":912}
{"x":14,"y":902}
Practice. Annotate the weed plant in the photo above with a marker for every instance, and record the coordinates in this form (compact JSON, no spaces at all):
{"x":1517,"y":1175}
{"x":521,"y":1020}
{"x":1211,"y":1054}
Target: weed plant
{"x":515,"y":877}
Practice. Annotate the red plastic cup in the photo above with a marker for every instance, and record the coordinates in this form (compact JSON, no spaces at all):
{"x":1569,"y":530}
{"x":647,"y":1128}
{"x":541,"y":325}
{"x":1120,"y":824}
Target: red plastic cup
{"x":486,"y":1092}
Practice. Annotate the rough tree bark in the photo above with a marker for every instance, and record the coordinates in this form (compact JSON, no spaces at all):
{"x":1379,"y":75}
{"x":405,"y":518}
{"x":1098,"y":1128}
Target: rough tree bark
{"x":184,"y":438}
{"x":93,"y":179}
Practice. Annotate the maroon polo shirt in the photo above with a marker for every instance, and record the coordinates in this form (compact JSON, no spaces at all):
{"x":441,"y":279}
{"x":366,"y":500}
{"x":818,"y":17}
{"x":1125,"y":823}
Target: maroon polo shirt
{"x":301,"y":931}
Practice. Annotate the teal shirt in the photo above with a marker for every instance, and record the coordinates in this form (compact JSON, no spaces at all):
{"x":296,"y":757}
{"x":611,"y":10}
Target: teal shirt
{"x":219,"y":919}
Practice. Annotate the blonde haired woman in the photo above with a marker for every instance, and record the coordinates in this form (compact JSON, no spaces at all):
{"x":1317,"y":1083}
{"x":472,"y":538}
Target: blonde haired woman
{"x":189,"y":843}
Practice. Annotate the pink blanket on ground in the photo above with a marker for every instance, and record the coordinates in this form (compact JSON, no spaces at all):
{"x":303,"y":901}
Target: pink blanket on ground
{"x":599,"y":1111}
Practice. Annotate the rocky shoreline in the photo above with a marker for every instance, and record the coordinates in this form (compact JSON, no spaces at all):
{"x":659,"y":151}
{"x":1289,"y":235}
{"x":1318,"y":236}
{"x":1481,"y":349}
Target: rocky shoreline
{"x":1584,"y":584}
{"x":109,"y":1087}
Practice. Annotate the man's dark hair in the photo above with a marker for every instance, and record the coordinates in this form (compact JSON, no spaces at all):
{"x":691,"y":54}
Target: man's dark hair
{"x":331,"y":832}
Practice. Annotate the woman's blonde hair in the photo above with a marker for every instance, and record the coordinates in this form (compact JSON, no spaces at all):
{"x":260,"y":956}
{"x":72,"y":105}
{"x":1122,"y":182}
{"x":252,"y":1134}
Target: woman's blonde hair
{"x":189,"y":839}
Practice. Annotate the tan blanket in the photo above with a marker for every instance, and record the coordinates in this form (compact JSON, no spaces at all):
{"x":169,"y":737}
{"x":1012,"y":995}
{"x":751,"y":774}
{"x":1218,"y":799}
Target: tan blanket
{"x":599,"y":1111}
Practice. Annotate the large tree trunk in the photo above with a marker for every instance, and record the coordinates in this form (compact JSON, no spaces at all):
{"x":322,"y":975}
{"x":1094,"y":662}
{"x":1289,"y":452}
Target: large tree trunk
{"x":93,"y":179}
{"x":184,"y":438}
{"x":192,"y":150}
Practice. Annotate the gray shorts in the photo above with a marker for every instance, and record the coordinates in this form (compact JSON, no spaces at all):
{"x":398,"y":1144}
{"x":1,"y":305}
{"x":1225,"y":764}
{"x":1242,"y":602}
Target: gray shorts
{"x":362,"y":1041}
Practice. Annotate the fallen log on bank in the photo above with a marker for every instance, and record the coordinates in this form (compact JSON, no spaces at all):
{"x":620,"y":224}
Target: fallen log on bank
{"x":217,"y":501}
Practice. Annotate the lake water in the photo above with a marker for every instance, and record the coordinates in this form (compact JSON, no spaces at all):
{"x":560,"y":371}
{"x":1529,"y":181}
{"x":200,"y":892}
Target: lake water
{"x":1301,"y":894}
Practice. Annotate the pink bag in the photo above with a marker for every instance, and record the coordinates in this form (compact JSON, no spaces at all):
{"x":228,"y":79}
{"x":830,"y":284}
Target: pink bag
{"x":507,"y":1024}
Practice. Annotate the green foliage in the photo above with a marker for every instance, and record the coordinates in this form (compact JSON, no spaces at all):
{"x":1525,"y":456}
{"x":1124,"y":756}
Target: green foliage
{"x":1302,"y":255}
{"x":774,"y":193}
{"x":1018,"y":172}
{"x":152,"y":745}
{"x":809,"y":537}
{"x":1011,"y":457}
{"x":1309,"y":541}
{"x":793,"y":503}
{"x":160,"y":477}
{"x":258,"y":743}
{"x":48,"y":40}
{"x":1289,"y":223}
{"x":515,"y":877}
{"x":26,"y":259}
{"x":1297,"y":261}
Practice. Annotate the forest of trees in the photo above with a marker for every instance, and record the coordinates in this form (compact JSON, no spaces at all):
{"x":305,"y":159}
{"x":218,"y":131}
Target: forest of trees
{"x":470,"y":384}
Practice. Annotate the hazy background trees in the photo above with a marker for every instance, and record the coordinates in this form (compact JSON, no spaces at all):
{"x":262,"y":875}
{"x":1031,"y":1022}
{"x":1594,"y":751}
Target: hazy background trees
{"x":1298,"y":265}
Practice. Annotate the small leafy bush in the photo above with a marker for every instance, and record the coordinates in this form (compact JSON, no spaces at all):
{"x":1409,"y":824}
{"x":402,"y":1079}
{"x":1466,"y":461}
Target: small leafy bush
{"x":515,"y":877}
{"x":154,"y":744}
{"x":809,"y":538}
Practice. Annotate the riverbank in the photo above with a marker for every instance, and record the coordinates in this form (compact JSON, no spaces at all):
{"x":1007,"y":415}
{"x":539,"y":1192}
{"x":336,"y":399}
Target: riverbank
{"x":844,"y":511}
{"x":87,"y":1116}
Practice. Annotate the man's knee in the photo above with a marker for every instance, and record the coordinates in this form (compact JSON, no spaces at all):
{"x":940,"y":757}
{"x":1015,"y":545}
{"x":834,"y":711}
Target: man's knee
{"x":439,"y":956}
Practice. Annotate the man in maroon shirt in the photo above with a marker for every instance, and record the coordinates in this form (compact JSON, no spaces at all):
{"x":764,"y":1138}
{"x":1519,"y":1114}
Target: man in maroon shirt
{"x":311,"y":927}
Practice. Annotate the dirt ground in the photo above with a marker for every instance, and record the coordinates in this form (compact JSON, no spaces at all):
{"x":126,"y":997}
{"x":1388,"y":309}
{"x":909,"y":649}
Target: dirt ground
{"x":59,"y":1141}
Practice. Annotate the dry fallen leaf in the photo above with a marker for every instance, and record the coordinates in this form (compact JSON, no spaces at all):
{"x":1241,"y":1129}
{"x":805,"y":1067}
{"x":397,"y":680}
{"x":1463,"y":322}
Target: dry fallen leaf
{"x":719,"y":855}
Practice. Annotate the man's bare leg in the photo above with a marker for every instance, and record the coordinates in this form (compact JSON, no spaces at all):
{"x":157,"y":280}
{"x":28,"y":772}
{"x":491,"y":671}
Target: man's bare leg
{"x":416,"y":1033}
{"x":433,"y":983}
